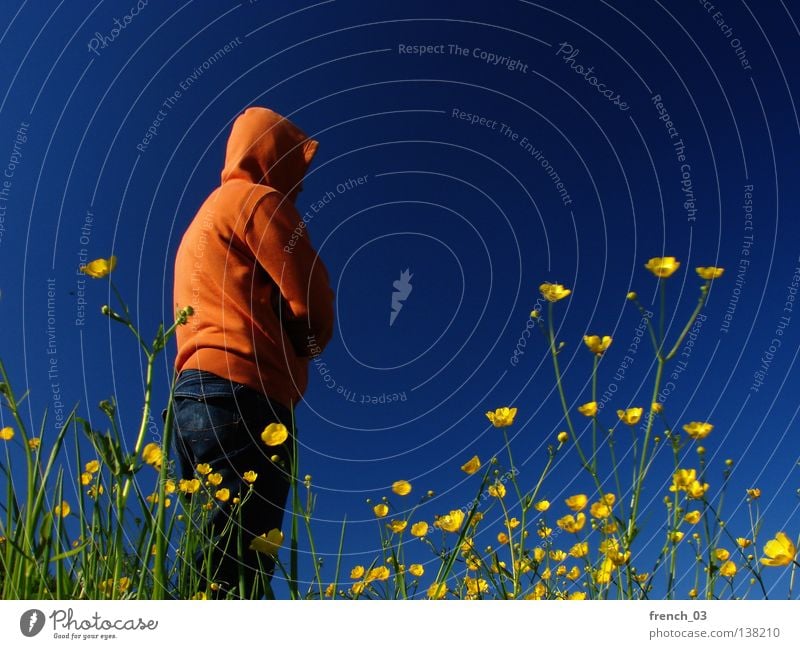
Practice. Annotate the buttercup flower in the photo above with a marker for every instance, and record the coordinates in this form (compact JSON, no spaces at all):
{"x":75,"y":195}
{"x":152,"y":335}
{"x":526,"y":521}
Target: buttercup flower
{"x":780,"y":551}
{"x":502,"y":417}
{"x":502,"y":538}
{"x":630,"y":416}
{"x":92,"y":467}
{"x":682,"y":478}
{"x":152,"y":455}
{"x":475,"y":586}
{"x":436,"y":591}
{"x":357,"y":572}
{"x":577,"y":595}
{"x":471,"y":466}
{"x":62,"y":510}
{"x":692,"y":517}
{"x":419,"y":529}
{"x":249,"y":476}
{"x":596,"y":344}
{"x":579,"y":550}
{"x":275,"y":434}
{"x":512,"y":523}
{"x":754,"y":493}
{"x":358,"y":588}
{"x":553,"y":292}
{"x":416,"y":569}
{"x":709,"y":272}
{"x":600,"y":510}
{"x":676,"y":537}
{"x":698,"y":429}
{"x":588,"y":409}
{"x":401,"y":487}
{"x":572,"y":524}
{"x":721,"y":554}
{"x":214,"y":479}
{"x":189,"y":486}
{"x":632,"y":295}
{"x":542,"y":506}
{"x":577,"y":502}
{"x":169,"y":487}
{"x":7,"y":434}
{"x":656,"y":407}
{"x":34,"y":443}
{"x":662,"y":266}
{"x":223,"y":494}
{"x":450,"y":522}
{"x":497,"y":490}
{"x":86,"y":478}
{"x":381,"y":573}
{"x":397,"y":526}
{"x":268,"y":543}
{"x":697,"y":490}
{"x":380,"y":510}
{"x":562,"y":437}
{"x":99,"y":268}
{"x":743,"y":542}
{"x":728,"y":569}
{"x":203,"y":469}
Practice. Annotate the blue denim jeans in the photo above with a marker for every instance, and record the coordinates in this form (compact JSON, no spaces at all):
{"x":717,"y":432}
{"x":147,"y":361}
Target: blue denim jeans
{"x":219,"y":422}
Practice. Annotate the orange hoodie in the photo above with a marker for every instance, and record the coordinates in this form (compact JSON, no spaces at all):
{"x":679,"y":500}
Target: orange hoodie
{"x":261,"y":296}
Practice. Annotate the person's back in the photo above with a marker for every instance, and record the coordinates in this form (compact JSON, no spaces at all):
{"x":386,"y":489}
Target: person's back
{"x":262,"y":305}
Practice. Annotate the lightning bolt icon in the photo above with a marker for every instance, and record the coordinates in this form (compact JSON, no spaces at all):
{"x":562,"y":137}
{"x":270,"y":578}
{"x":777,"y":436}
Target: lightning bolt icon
{"x":402,"y":290}
{"x":32,"y":621}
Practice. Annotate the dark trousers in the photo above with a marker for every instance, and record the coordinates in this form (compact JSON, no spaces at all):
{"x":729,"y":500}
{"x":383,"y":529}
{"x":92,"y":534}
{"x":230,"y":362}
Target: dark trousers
{"x":219,"y":422}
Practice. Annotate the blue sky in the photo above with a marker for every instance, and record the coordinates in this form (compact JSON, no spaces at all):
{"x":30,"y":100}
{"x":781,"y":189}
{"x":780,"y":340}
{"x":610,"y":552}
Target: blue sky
{"x":458,"y":147}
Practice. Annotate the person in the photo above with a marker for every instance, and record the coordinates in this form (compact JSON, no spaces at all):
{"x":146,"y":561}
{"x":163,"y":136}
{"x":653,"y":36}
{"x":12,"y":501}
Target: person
{"x":262,"y":307}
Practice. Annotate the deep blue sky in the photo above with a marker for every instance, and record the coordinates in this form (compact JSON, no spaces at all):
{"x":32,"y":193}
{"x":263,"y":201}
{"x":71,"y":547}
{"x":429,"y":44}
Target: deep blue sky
{"x":471,"y":213}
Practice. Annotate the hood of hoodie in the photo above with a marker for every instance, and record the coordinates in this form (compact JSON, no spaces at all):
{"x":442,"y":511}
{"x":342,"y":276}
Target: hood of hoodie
{"x":267,"y":149}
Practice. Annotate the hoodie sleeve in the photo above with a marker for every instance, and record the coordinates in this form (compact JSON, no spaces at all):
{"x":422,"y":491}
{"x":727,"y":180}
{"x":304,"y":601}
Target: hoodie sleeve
{"x":279,"y":241}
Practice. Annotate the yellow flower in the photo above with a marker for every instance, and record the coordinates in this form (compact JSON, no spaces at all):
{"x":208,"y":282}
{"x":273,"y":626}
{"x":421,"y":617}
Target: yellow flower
{"x":641,"y":577}
{"x":676,"y":537}
{"x":169,"y":487}
{"x":99,"y":268}
{"x":249,"y":476}
{"x":397,"y":526}
{"x":222,"y":494}
{"x":329,"y":591}
{"x":401,"y":487}
{"x":780,"y":551}
{"x":7,"y":434}
{"x":95,"y":491}
{"x":153,"y":499}
{"x":553,"y":292}
{"x":610,"y":528}
{"x":754,"y":493}
{"x":609,"y":499}
{"x":357,"y":572}
{"x":579,"y":550}
{"x":275,"y":434}
{"x":619,"y":558}
{"x":578,"y":595}
{"x":34,"y":443}
{"x":189,"y":486}
{"x":609,"y":546}
{"x":450,"y":522}
{"x":662,"y":266}
{"x":600,"y":510}
{"x":596,"y":344}
{"x":558,"y":555}
{"x":497,"y":490}
{"x":571,"y":524}
{"x":542,"y":506}
{"x":475,"y":586}
{"x":419,"y":529}
{"x":472,"y":465}
{"x":512,"y":523}
{"x":603,"y":574}
{"x":62,"y":510}
{"x":538,"y":554}
{"x":86,"y":478}
{"x":93,"y":466}
{"x":436,"y":591}
{"x":728,"y":569}
{"x":203,"y":469}
{"x":577,"y":502}
{"x":268,"y":543}
{"x":721,"y":554}
{"x":546,"y":574}
{"x":416,"y":569}
{"x":381,"y":573}
{"x":656,"y":407}
{"x":358,"y":588}
{"x":539,"y":591}
{"x":380,"y":510}
{"x":693,"y":593}
{"x":692,"y":517}
{"x":631,"y":416}
{"x":562,"y":437}
{"x":588,"y":409}
{"x":124,"y":584}
{"x":743,"y":542}
{"x":502,"y":417}
{"x":709,"y":272}
{"x":698,"y":429}
{"x":632,"y":295}
{"x":682,"y":478}
{"x":214,"y":479}
{"x":152,"y":455}
{"x":502,"y":538}
{"x":544,"y":532}
{"x":697,"y":490}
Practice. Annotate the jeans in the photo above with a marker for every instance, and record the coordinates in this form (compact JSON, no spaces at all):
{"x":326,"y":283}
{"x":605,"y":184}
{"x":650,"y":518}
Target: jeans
{"x":219,"y":422}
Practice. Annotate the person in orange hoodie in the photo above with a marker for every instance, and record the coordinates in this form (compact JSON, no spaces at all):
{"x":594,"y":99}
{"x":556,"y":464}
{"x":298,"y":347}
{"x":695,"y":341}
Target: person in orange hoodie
{"x":262,"y":307}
